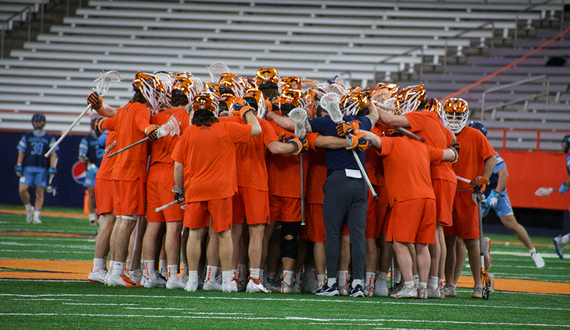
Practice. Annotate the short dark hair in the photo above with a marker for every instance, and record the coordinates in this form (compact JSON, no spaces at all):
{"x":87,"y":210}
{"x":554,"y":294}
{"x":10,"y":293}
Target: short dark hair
{"x":204,"y":117}
{"x":272,"y":91}
{"x":178,"y":98}
{"x":138,"y":97}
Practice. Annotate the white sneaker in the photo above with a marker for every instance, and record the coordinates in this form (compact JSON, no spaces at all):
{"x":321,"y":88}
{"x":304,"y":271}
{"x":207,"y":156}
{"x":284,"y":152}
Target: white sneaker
{"x":97,"y":276}
{"x":381,"y":290}
{"x":449,"y":291}
{"x":175,"y":283}
{"x":134,"y":277}
{"x":343,"y":290}
{"x":107,"y":278}
{"x":433,"y":293}
{"x":191,"y":286}
{"x":368,"y":291}
{"x":296,"y":288}
{"x":538,"y":261}
{"x":406,"y":292}
{"x":559,"y":246}
{"x":229,"y":286}
{"x":212,"y":285}
{"x":37,"y":220}
{"x":30,"y":214}
{"x":272,"y":287}
{"x":255,"y":288}
{"x":121,"y":280}
{"x":150,"y":282}
{"x":422,"y":293}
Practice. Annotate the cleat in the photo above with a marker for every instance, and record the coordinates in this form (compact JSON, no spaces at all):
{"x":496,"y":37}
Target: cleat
{"x":191,"y":286}
{"x":559,"y":246}
{"x":296,"y":288}
{"x":368,"y":291}
{"x":449,"y":291}
{"x":212,"y":285}
{"x":317,"y":288}
{"x":229,"y":286}
{"x":150,"y":282}
{"x":406,"y":292}
{"x":422,"y":293}
{"x":538,"y":261}
{"x":121,"y":280}
{"x":381,"y":290}
{"x":134,"y":277}
{"x":397,"y":287}
{"x":37,"y":220}
{"x":272,"y":287}
{"x":477,"y":292}
{"x":357,"y":291}
{"x":286,"y":288}
{"x":97,"y":276}
{"x":433,"y":293}
{"x":328,"y":291}
{"x":253,"y":287}
{"x":487,"y":252}
{"x":30,"y":214}
{"x":175,"y":283}
{"x":343,"y":290}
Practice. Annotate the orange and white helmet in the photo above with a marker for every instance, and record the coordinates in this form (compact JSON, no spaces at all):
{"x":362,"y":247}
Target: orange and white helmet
{"x":290,"y":83}
{"x":234,"y":83}
{"x":267,"y":77}
{"x":206,"y":101}
{"x":226,"y":104}
{"x":409,"y":99}
{"x":255,"y":95}
{"x":290,"y":99}
{"x":187,"y":86}
{"x":384,"y":91}
{"x":433,"y":105}
{"x":454,"y":114}
{"x":212,"y":88}
{"x":151,"y":87}
{"x":351,"y":104}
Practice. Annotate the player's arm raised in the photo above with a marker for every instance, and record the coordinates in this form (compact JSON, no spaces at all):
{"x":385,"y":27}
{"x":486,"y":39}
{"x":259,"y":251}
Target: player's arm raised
{"x":96,"y":102}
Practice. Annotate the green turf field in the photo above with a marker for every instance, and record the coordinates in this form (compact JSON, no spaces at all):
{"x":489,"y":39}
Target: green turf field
{"x":32,"y":303}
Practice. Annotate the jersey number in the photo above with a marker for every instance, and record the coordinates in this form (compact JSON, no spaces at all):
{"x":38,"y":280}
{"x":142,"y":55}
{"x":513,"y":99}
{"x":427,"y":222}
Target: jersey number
{"x":37,"y":148}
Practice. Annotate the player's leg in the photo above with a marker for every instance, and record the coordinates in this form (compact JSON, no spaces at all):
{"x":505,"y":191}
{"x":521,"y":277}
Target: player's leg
{"x":91,"y":205}
{"x":474,"y":253}
{"x":193,"y":253}
{"x":126,"y":225}
{"x":39,"y":203}
{"x":149,"y":249}
{"x":102,"y":247}
{"x":405,"y":262}
{"x":212,"y":261}
{"x":343,"y":262}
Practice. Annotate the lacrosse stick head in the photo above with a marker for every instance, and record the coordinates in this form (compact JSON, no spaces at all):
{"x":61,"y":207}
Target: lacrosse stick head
{"x":254,"y":97}
{"x":106,"y":80}
{"x":216,"y":70}
{"x":543,"y":191}
{"x":266,"y":78}
{"x":299,"y":118}
{"x":409,"y":99}
{"x":167,"y":80}
{"x":454,"y":114}
{"x":351,"y":104}
{"x":309,"y":84}
{"x":290,"y":99}
{"x":171,"y":127}
{"x":330,"y":102}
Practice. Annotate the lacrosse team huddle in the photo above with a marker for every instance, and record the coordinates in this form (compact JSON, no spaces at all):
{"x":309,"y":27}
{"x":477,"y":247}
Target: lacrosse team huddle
{"x":271,"y":184}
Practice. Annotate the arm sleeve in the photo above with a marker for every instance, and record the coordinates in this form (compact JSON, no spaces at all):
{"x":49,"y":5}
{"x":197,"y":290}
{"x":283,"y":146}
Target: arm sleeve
{"x":435,"y":155}
{"x":238,"y":133}
{"x":416,"y":122}
{"x":268,"y":132}
{"x":109,"y":123}
{"x":387,"y":144}
{"x":23,"y":144}
{"x":83,"y":146}
{"x":178,"y":152}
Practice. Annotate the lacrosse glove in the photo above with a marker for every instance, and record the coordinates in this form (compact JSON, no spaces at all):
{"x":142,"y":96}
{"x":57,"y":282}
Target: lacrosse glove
{"x":18,"y":169}
{"x":347,"y":128}
{"x":95,"y":101}
{"x":493,"y":198}
{"x":563,"y":188}
{"x":358,"y":142}
{"x":152,"y":132}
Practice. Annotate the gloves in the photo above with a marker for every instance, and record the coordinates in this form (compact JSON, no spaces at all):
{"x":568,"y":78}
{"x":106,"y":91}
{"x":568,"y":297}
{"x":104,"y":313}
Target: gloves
{"x":18,"y":169}
{"x":477,"y":197}
{"x":358,"y":142}
{"x":483,"y":181}
{"x":563,"y":188}
{"x":243,"y":107}
{"x":178,"y":195}
{"x":347,"y":128}
{"x":152,"y":132}
{"x":51,"y":172}
{"x":92,"y":168}
{"x":493,"y":198}
{"x":301,"y":144}
{"x":97,"y":126}
{"x":83,"y":157}
{"x":95,"y":101}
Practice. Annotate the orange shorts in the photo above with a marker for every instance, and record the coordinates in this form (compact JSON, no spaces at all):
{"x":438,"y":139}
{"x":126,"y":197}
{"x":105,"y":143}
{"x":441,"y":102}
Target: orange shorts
{"x":159,"y":192}
{"x":372,"y":217}
{"x":383,"y":211}
{"x":284,"y":209}
{"x":314,"y":224}
{"x":444,"y":194}
{"x":198,"y":214}
{"x":252,"y":204}
{"x":130,"y":197}
{"x":412,"y":221}
{"x":104,"y":196}
{"x":465,"y":217}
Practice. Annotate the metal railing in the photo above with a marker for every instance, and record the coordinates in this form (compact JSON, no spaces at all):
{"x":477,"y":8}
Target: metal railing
{"x":537,"y":131}
{"x":516,"y":83}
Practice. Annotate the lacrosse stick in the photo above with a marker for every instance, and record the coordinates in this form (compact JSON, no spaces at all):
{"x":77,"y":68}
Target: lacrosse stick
{"x":111,"y":146}
{"x":469,"y":181}
{"x":544,"y":191}
{"x":485,"y":278}
{"x":299,"y":118}
{"x":330,"y":102}
{"x":172,"y":127}
{"x":216,"y":70}
{"x":103,"y":83}
{"x":165,"y":206}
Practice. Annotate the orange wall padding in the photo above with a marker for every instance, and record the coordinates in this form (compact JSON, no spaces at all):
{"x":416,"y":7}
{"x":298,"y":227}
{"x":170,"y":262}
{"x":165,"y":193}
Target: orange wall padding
{"x":529,"y":171}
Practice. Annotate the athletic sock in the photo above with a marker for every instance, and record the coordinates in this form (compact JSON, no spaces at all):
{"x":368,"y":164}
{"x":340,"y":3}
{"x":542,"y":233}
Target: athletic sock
{"x":92,"y":217}
{"x":331,"y":281}
{"x":397,"y":276}
{"x":370,"y":277}
{"x":342,"y":277}
{"x":422,"y":285}
{"x":288,"y":276}
{"x":163,"y":267}
{"x":192,"y":276}
{"x":531,"y":251}
{"x":320,"y":280}
{"x":254,"y":274}
{"x":417,"y":279}
{"x":383,"y":276}
{"x":409,"y":284}
{"x":298,"y":277}
{"x":211,"y":273}
{"x":111,"y":266}
{"x":564,"y":239}
{"x":242,"y":271}
{"x":149,"y":269}
{"x":37,"y":214}
{"x":172,"y":271}
{"x":118,"y":268}
{"x":234,"y":272}
{"x":441,"y":282}
{"x":98,"y":263}
{"x":433,"y":281}
{"x":185,"y":265}
{"x":227,"y":276}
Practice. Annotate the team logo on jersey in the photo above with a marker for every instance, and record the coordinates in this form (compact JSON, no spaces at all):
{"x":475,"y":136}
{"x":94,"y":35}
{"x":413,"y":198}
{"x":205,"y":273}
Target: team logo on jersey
{"x":78,"y":172}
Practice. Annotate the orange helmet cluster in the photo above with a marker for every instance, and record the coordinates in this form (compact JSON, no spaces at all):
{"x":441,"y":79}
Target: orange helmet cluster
{"x":384,"y":91}
{"x":293,"y":97}
{"x":454,"y":114}
{"x":185,"y":85}
{"x":352,"y":103}
{"x":225,"y":104}
{"x":237,"y":84}
{"x":257,"y":95}
{"x":267,"y":75}
{"x":151,"y":87}
{"x":291,"y":83}
{"x":206,"y":101}
{"x":409,"y":99}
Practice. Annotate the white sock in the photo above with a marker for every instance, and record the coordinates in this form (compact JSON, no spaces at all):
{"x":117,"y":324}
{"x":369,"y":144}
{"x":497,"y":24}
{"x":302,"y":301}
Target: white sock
{"x":254,"y":273}
{"x":382,"y":276}
{"x":564,"y":239}
{"x":397,"y":276}
{"x":342,"y":277}
{"x":261,"y":271}
{"x":441,"y":282}
{"x":298,"y":277}
{"x":320,"y":279}
{"x":331,"y":281}
{"x":211,"y":273}
{"x":227,"y":276}
{"x":28,"y":206}
{"x":137,"y":272}
{"x":91,"y":217}
{"x":531,"y":251}
{"x":149,"y":269}
{"x":111,"y":265}
{"x":118,"y":268}
{"x":370,"y":277}
{"x":422,"y":285}
{"x":433,"y":281}
{"x":37,"y":214}
{"x":288,"y":276}
{"x":172,"y":271}
{"x":192,"y":275}
{"x":242,"y":271}
{"x":409,"y":284}
{"x":98,"y":263}
{"x":163,"y":266}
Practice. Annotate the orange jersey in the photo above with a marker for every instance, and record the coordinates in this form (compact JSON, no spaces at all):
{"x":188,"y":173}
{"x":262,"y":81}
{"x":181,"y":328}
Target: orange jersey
{"x":106,"y":167}
{"x":251,"y":166}
{"x":318,"y":172}
{"x":372,"y":159}
{"x":161,"y":149}
{"x":284,"y":170}
{"x":427,"y":125}
{"x":209,"y":157}
{"x":407,"y":168}
{"x":474,"y":150}
{"x":130,"y":124}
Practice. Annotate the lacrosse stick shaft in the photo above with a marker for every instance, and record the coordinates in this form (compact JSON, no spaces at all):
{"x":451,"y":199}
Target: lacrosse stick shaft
{"x":364,"y":175}
{"x":485,"y":292}
{"x":469,"y":181}
{"x":67,"y":131}
{"x":165,"y":206}
{"x":408,"y":133}
{"x":128,"y":147}
{"x":302,"y":193}
{"x":111,"y":146}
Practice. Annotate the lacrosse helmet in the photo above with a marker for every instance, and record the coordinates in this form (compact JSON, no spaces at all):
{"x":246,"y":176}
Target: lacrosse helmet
{"x":183,"y":86}
{"x":267,"y":77}
{"x":454,"y":114}
{"x":226,"y":104}
{"x":433,"y":105}
{"x":566,"y":143}
{"x":290,"y":83}
{"x":206,"y":101}
{"x":212,"y":88}
{"x":479,"y":126}
{"x":291,"y":99}
{"x":231,"y":83}
{"x":409,"y":99}
{"x":39,"y":121}
{"x":384,"y":91}
{"x":254,"y":97}
{"x":351,"y":104}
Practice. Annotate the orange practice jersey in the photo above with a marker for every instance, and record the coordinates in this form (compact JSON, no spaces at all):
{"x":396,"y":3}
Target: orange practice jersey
{"x":161,"y":149}
{"x":130,"y":124}
{"x":209,"y":157}
{"x":474,"y":150}
{"x":427,"y":125}
{"x":106,"y":167}
{"x":318,"y":172}
{"x":251,"y":166}
{"x":372,"y":159}
{"x":407,"y":168}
